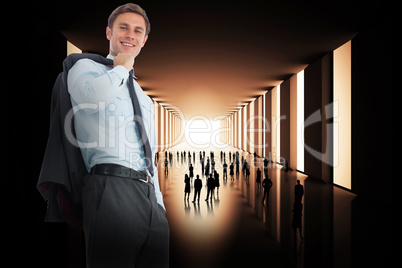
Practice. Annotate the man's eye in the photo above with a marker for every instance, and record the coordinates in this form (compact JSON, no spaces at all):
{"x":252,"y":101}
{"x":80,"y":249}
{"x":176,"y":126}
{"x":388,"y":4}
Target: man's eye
{"x":123,"y":28}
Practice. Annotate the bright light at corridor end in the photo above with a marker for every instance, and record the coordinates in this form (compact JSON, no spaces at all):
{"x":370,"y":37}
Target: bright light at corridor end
{"x":202,"y":133}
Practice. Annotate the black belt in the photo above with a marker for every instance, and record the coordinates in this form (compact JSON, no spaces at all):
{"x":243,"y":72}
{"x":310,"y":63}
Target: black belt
{"x":121,"y":171}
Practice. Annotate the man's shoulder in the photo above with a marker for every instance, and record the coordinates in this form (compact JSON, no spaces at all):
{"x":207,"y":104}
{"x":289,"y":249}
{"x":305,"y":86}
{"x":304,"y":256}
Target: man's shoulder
{"x":85,"y":57}
{"x":91,"y":56}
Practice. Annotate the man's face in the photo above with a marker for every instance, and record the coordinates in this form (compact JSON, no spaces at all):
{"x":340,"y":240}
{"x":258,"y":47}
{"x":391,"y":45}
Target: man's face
{"x":127,"y":34}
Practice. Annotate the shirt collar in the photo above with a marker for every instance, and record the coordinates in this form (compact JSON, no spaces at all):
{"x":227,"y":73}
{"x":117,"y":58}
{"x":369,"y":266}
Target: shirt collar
{"x":111,"y":57}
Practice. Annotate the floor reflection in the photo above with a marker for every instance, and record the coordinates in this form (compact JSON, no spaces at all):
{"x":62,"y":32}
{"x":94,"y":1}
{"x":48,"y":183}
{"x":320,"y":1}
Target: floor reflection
{"x":296,"y":226}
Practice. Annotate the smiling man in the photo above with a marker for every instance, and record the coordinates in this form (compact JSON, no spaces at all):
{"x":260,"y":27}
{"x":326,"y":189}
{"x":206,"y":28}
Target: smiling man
{"x":127,"y":33}
{"x":123,"y":214}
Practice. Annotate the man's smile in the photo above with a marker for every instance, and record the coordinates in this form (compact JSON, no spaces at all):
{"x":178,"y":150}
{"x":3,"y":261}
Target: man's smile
{"x":127,"y":44}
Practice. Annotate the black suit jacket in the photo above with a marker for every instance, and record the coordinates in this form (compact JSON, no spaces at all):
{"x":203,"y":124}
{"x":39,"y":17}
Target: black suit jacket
{"x":63,"y":168}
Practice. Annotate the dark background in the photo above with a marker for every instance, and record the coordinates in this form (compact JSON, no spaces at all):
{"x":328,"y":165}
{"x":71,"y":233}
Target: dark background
{"x":373,"y":142}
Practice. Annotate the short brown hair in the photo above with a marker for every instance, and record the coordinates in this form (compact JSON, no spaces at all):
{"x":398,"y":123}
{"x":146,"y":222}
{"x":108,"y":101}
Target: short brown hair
{"x":129,"y":7}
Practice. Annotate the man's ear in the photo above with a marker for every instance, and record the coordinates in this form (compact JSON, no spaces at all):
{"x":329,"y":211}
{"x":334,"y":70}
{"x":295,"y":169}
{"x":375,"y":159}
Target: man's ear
{"x":145,"y":39}
{"x":108,"y":33}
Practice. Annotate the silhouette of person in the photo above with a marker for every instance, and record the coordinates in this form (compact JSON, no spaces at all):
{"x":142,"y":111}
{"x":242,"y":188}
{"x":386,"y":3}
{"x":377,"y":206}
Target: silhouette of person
{"x":191,"y":171}
{"x":166,"y":166}
{"x":299,"y":192}
{"x":265,"y":166}
{"x":212,"y":164}
{"x":258,"y":179}
{"x":297,"y":219}
{"x":247,"y":169}
{"x":202,"y":164}
{"x":187,"y":187}
{"x":207,"y":168}
{"x":237,"y":166}
{"x":225,"y":170}
{"x":197,"y":188}
{"x":217,"y":183}
{"x":231,"y":167}
{"x":266,"y":184}
{"x":210,"y":187}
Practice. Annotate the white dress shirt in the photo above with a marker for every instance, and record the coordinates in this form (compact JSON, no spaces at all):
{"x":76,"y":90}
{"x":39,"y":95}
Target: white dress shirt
{"x":103,"y":117}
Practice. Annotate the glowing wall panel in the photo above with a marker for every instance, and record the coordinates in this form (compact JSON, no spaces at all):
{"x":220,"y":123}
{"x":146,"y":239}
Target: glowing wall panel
{"x":293,"y":109}
{"x":300,"y":121}
{"x":342,"y":116}
{"x":72,"y":49}
{"x":268,"y":124}
{"x":274,"y":126}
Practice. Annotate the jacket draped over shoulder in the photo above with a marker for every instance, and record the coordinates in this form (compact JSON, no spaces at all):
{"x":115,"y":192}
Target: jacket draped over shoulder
{"x":63,"y":168}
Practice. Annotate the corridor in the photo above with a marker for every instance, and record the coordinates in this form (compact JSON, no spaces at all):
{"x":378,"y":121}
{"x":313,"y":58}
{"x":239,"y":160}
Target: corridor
{"x":300,"y":83}
{"x":237,"y":230}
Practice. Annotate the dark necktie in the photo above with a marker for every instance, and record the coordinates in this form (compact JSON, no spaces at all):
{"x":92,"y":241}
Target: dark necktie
{"x":140,"y":123}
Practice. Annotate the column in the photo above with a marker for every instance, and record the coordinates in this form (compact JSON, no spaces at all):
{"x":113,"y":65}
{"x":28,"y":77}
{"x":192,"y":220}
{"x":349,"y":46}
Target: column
{"x":285,"y":120}
{"x":274,"y":124}
{"x":318,"y":91}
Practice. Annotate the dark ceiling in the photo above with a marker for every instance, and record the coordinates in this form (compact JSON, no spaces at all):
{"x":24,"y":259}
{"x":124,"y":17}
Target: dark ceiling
{"x":209,"y":58}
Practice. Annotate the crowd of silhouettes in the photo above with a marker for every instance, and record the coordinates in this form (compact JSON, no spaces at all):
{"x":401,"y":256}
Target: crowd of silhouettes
{"x":208,"y":170}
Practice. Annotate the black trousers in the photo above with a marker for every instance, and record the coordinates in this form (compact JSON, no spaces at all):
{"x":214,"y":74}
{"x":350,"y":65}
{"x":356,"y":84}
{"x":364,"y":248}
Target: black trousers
{"x":266,"y":194}
{"x":210,"y":190}
{"x":124,"y":226}
{"x":197,"y":192}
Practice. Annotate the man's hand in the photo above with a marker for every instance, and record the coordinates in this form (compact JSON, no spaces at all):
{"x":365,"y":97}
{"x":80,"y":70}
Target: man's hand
{"x":125,"y":59}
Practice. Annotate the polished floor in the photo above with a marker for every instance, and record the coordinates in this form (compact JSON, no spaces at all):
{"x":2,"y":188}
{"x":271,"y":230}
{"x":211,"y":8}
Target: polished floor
{"x":236,"y":229}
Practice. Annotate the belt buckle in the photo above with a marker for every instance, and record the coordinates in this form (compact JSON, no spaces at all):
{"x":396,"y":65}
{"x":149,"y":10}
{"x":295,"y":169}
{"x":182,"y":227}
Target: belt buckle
{"x":146,"y":176}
